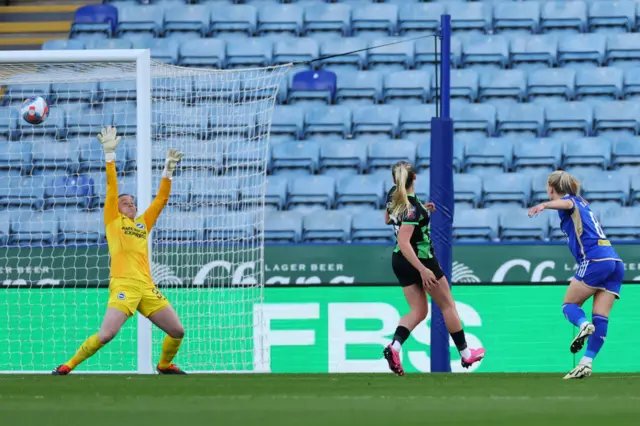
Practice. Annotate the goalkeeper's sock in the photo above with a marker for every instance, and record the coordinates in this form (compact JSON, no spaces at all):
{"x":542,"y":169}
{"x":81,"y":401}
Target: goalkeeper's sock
{"x":402,"y":333}
{"x":87,"y":349}
{"x":170,"y":348}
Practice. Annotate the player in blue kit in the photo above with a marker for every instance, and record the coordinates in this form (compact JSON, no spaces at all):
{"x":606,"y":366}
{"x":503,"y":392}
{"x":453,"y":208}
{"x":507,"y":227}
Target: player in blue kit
{"x":600,"y":270}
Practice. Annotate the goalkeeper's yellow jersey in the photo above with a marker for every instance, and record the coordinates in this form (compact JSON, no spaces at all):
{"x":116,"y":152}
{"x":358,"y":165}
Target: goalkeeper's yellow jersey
{"x":128,"y":238}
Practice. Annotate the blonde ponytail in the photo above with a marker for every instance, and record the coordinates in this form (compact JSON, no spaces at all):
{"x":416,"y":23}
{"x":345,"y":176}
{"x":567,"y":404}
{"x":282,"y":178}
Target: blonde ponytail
{"x":403,"y":176}
{"x":563,"y":183}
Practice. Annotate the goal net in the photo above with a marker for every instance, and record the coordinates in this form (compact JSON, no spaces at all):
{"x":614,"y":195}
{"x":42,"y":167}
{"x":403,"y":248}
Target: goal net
{"x":207,"y":246}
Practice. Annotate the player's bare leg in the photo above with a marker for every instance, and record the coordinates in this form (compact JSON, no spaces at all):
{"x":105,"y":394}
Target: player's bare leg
{"x":167,"y":320}
{"x":113,"y":321}
{"x":441,"y":294}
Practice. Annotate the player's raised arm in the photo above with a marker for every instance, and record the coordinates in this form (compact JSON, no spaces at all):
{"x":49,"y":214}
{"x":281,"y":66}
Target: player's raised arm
{"x":158,"y":203}
{"x":109,"y":139}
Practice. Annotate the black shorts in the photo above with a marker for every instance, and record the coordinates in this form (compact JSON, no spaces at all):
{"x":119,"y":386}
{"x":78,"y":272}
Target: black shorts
{"x":408,"y":275}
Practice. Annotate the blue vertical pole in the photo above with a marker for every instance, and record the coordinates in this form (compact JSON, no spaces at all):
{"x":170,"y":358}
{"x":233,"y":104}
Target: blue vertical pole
{"x":441,"y":193}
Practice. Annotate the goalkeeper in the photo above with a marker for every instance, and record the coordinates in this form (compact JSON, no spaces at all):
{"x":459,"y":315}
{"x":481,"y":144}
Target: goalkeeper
{"x":131,"y":288}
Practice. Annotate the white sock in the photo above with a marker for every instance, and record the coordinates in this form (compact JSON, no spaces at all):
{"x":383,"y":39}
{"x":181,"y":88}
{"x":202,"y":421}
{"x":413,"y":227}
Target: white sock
{"x":396,"y":345}
{"x":465,"y":353}
{"x":586,"y":360}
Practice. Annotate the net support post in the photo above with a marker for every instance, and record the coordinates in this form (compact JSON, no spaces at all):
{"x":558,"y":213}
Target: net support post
{"x":143,"y":184}
{"x":441,"y":192}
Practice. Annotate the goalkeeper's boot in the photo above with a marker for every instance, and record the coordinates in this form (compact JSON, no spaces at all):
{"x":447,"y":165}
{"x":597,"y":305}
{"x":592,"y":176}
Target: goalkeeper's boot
{"x":477,"y":355}
{"x":580,"y":372}
{"x":586,"y":330}
{"x":62,"y":370}
{"x":172,"y":369}
{"x":393,"y":358}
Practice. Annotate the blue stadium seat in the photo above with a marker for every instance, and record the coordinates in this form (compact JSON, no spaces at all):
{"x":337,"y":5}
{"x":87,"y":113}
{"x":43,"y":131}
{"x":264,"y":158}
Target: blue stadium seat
{"x":121,"y":114}
{"x":475,"y":225}
{"x":464,"y":85}
{"x":74,"y":92}
{"x":238,"y":227}
{"x":612,"y":17}
{"x":255,"y":52}
{"x":407,"y":88}
{"x":329,"y":226}
{"x":369,"y":227}
{"x":238,"y":20}
{"x":635,"y":190}
{"x":474,"y":118}
{"x":520,"y":18}
{"x":387,"y":57}
{"x":163,"y":50}
{"x":92,"y":158}
{"x":360,"y":191}
{"x":426,"y":56}
{"x":311,"y":191}
{"x":8,"y":123}
{"x":458,"y":152}
{"x":334,"y":121}
{"x":423,"y":158}
{"x":504,"y":86}
{"x":186,"y":22}
{"x":173,"y":118}
{"x":113,"y":43}
{"x":623,"y":50}
{"x":599,"y":84}
{"x":126,"y":185}
{"x":569,"y":119}
{"x":582,"y":50}
{"x":338,"y":158}
{"x":507,"y":188}
{"x":84,"y":121}
{"x":327,"y":20}
{"x":359,"y":88}
{"x":422,"y":185}
{"x":22,"y":192}
{"x":68,"y":191}
{"x":539,"y":187}
{"x":282,"y":227}
{"x":15,"y":94}
{"x":563,"y":17}
{"x":588,"y":152}
{"x":15,"y":156}
{"x":333,"y":50}
{"x":313,"y":87}
{"x":489,"y":52}
{"x":140,"y":21}
{"x":617,"y":118}
{"x":198,"y":154}
{"x":376,"y":121}
{"x":31,"y":229}
{"x":278,"y":19}
{"x":551,"y":85}
{"x":607,"y":187}
{"x":415,"y":122}
{"x":622,"y":224}
{"x":82,"y":228}
{"x":179,"y":227}
{"x":96,"y":20}
{"x":295,"y":50}
{"x":287,"y":123}
{"x":468,"y":189}
{"x":488,"y":155}
{"x":203,"y":53}
{"x":514,"y":228}
{"x":5,"y":228}
{"x":222,"y":190}
{"x":299,"y":157}
{"x":384,"y":153}
{"x":54,"y":126}
{"x":474,"y":17}
{"x":419,"y":18}
{"x":117,"y":91}
{"x":533,"y":52}
{"x":537,"y":155}
{"x":521,"y":119}
{"x":234,"y":120}
{"x":374,"y":20}
{"x":631,"y":84}
{"x":277,"y":189}
{"x":626,"y":154}
{"x":63,"y":45}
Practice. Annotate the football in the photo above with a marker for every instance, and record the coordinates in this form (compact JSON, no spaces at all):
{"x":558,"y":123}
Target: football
{"x":35,"y":110}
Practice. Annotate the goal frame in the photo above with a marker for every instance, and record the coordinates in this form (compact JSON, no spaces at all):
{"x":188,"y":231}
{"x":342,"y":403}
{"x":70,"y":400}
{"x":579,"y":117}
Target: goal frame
{"x":142,"y":60}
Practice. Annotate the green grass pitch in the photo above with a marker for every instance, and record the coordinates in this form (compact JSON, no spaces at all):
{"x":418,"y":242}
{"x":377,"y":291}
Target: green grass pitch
{"x":320,"y":400}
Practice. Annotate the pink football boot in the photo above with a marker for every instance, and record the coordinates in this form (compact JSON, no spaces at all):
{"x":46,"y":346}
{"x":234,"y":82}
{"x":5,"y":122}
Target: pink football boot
{"x":476,"y":356}
{"x":393,"y":358}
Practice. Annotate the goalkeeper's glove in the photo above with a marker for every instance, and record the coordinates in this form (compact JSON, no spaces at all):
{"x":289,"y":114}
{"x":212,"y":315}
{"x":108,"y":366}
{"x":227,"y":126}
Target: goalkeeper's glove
{"x":109,"y":139}
{"x":173,"y":156}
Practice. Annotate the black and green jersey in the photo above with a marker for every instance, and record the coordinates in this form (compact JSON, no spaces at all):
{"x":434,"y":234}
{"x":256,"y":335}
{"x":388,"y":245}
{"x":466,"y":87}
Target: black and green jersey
{"x":418,"y":216}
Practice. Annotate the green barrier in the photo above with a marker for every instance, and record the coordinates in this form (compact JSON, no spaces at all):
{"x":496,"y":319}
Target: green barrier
{"x":314,"y":329}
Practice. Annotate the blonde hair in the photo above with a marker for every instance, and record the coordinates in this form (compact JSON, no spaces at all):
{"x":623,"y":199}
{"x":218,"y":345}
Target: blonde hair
{"x":563,"y":183}
{"x":403,"y":176}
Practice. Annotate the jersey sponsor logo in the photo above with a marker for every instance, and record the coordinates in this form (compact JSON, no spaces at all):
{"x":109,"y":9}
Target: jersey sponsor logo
{"x":130,"y":230}
{"x":139,"y":226}
{"x":411,"y":214}
{"x":121,"y":296}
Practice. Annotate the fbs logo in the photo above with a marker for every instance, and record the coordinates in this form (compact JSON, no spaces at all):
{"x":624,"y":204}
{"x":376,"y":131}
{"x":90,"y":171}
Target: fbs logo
{"x":461,"y":273}
{"x":121,"y":296}
{"x":139,"y":225}
{"x":164,"y":275}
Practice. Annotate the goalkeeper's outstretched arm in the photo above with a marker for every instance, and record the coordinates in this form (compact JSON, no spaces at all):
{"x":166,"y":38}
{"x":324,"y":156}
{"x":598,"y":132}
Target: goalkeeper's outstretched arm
{"x":109,"y":139}
{"x":161,"y":199}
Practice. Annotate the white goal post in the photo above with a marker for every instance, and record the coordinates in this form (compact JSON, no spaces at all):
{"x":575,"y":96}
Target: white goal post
{"x":54,"y":267}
